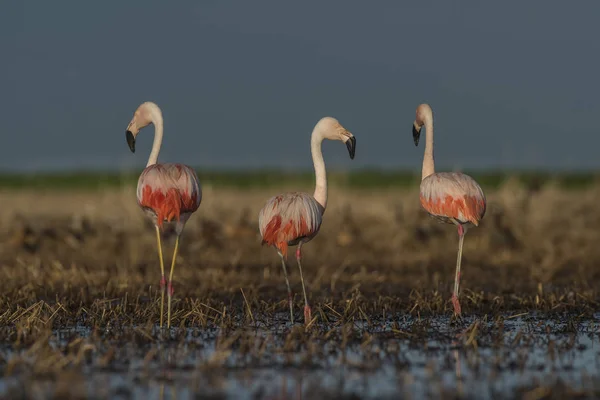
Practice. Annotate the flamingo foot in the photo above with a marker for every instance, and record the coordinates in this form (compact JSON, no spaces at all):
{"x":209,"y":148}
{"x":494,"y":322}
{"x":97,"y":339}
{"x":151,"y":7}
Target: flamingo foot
{"x":456,"y":304}
{"x":307,"y":314}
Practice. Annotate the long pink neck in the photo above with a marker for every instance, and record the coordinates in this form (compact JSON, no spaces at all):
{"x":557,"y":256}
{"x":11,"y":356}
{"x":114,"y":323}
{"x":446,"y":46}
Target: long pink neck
{"x":320,"y":174}
{"x":428,"y":162}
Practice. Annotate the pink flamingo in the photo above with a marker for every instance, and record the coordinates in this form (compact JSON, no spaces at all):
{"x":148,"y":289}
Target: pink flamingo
{"x":294,"y":218}
{"x":166,"y":192}
{"x":451,"y":197}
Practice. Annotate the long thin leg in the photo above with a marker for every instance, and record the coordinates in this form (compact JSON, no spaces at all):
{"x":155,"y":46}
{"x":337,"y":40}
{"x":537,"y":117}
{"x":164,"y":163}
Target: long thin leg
{"x":461,"y":238}
{"x":307,"y":310}
{"x":287,"y":282}
{"x":170,"y":284}
{"x":162,"y":276}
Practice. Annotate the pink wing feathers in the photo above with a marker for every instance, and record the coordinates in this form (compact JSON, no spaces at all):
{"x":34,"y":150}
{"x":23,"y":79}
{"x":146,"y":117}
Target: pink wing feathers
{"x":169,"y":190}
{"x":288,"y":218}
{"x":452,"y":195}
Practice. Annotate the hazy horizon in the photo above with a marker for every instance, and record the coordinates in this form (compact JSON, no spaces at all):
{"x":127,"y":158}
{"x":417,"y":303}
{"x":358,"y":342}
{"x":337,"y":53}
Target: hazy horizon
{"x":241,"y":85}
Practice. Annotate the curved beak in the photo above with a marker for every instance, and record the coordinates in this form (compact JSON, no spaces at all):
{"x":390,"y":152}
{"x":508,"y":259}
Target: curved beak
{"x":351,"y":145}
{"x":416,"y":134}
{"x":130,"y":141}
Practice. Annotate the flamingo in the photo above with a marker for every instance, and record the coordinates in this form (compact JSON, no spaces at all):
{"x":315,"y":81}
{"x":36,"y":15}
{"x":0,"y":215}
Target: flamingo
{"x":165,"y":192}
{"x":294,"y":218}
{"x":451,"y":197}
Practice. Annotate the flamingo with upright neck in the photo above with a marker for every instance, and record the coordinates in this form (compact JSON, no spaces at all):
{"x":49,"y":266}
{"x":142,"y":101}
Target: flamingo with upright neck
{"x":166,"y":192}
{"x":294,"y":218}
{"x":451,"y":197}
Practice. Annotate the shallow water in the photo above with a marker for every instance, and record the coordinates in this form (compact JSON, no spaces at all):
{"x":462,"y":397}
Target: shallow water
{"x":431,"y":357}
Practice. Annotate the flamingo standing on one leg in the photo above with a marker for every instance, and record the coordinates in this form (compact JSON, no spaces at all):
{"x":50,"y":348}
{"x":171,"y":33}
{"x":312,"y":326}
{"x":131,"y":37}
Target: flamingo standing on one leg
{"x":295,"y":218}
{"x":451,"y":197}
{"x":166,"y":192}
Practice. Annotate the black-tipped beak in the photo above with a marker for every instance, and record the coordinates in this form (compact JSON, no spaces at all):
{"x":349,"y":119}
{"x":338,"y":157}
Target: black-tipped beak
{"x":130,"y":141}
{"x":416,"y":135}
{"x":351,"y":145}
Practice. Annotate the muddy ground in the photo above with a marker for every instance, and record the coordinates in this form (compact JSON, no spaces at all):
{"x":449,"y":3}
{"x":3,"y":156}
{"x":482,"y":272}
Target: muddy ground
{"x":79,"y":305}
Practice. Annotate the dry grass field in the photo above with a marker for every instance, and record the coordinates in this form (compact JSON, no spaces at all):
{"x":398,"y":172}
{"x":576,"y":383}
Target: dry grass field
{"x":533,"y":248}
{"x":80,"y":275}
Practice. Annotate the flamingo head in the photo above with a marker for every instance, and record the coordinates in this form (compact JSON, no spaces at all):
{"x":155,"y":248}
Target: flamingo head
{"x":146,"y":114}
{"x":330,"y":128}
{"x":423,"y":114}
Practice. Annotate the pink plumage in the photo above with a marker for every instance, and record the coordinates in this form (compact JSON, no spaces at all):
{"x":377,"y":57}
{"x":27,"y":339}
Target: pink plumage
{"x":289,"y":218}
{"x":452,"y":196}
{"x":169,"y":192}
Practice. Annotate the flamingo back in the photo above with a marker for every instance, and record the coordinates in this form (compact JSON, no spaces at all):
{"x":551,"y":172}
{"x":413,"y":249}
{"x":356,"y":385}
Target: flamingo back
{"x":288,"y":218}
{"x":169,"y":191}
{"x":452,"y":196}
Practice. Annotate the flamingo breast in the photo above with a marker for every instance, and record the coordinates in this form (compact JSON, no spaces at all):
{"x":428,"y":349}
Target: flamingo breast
{"x":288,"y":219}
{"x":451,"y":196}
{"x":169,"y":191}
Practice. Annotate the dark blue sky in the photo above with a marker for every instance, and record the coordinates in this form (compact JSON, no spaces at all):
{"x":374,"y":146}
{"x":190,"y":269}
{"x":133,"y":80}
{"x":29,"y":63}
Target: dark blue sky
{"x":512,"y":84}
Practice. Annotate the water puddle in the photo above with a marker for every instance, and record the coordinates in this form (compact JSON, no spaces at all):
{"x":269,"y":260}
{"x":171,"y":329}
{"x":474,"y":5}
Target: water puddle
{"x":417,"y":358}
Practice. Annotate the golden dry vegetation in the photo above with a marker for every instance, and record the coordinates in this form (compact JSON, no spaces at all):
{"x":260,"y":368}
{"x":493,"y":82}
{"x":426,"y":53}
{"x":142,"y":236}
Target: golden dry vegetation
{"x":535,"y":248}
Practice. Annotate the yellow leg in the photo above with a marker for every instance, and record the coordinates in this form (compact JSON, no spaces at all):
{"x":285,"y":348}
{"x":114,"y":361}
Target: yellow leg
{"x":289,"y":289}
{"x":162,"y":276}
{"x":170,"y":284}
